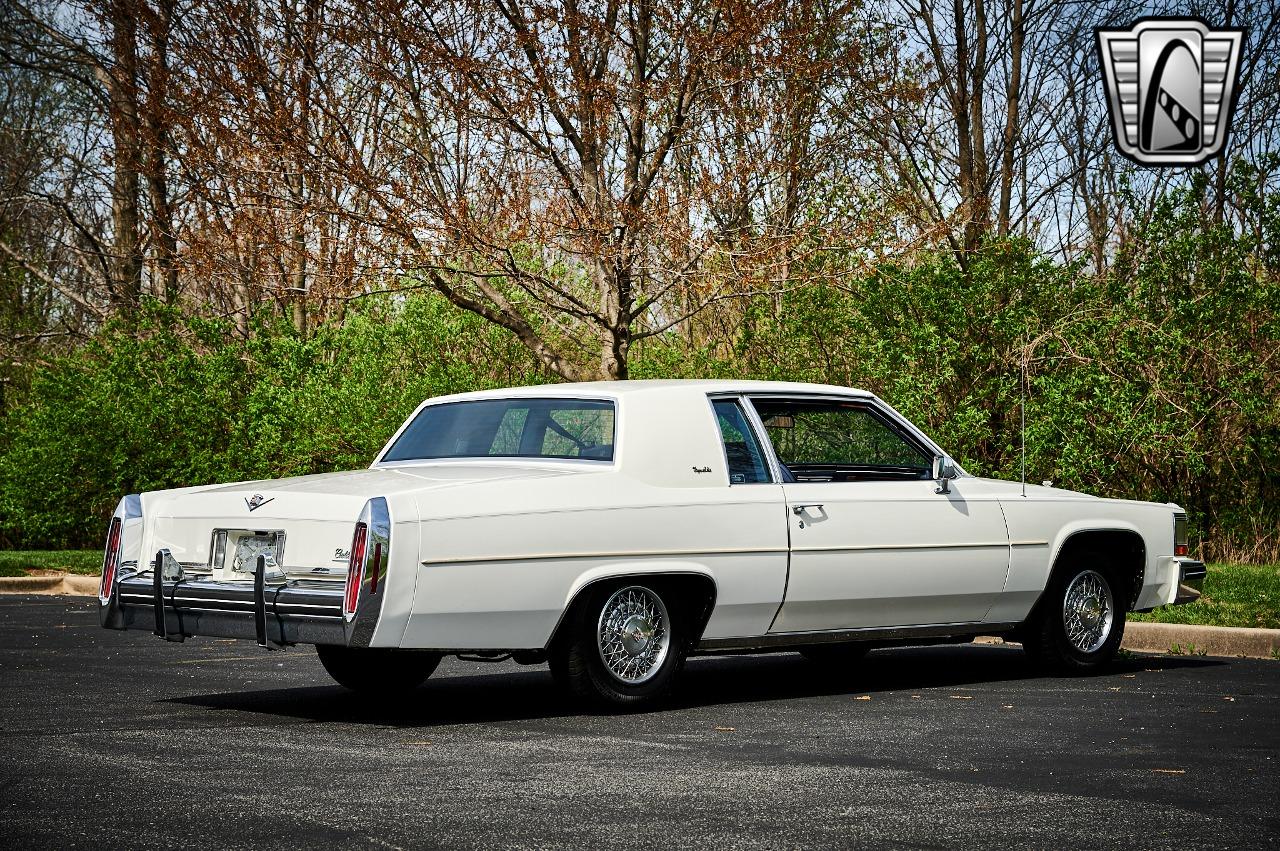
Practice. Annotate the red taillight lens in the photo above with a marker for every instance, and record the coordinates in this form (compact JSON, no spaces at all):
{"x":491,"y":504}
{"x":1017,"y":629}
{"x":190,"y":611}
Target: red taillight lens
{"x":355,"y":570}
{"x":110,"y":561}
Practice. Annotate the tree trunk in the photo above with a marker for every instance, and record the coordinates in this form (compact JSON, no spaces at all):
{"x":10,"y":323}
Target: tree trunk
{"x":156,"y":114}
{"x":1013,"y":98}
{"x":306,"y":49}
{"x":979,"y":186}
{"x":127,"y":260}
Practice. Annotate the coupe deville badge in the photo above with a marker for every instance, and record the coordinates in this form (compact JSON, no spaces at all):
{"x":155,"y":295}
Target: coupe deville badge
{"x":256,"y":501}
{"x":1171,"y":88}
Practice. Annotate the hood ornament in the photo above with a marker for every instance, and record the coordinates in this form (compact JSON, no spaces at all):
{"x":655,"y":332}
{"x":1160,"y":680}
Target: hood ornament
{"x":257,"y":501}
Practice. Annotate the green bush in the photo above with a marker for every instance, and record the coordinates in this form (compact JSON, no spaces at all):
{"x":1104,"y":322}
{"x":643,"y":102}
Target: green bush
{"x":181,"y":401}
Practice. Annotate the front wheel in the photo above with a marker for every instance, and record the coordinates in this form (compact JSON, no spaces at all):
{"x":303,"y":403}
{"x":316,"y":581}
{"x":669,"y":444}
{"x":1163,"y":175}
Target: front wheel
{"x":377,"y":670}
{"x":1078,"y":626}
{"x":623,"y":647}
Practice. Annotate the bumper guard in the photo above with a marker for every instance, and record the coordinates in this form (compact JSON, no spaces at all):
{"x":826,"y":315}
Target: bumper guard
{"x":1190,"y":581}
{"x":275,"y":614}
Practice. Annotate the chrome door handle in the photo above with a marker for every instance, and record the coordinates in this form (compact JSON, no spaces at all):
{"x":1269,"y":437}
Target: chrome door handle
{"x":801,"y":508}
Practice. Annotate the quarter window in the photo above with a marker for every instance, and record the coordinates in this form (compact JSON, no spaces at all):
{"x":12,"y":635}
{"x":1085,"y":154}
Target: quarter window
{"x":741,"y":449}
{"x":819,"y":441}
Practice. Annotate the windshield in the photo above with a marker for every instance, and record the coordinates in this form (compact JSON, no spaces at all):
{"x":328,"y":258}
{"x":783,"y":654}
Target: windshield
{"x":509,"y":428}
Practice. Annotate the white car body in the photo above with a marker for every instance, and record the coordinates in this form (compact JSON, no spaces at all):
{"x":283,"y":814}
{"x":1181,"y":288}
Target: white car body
{"x":487,"y":554}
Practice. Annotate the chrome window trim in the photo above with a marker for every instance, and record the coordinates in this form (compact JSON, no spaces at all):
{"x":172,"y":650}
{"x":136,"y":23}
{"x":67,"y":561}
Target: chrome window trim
{"x":753,"y":423}
{"x":493,"y":461}
{"x":899,"y":424}
{"x":762,"y":435}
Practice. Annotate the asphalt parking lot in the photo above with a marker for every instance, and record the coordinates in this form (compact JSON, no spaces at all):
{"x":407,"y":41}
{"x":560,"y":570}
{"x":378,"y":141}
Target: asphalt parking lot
{"x":120,"y":740}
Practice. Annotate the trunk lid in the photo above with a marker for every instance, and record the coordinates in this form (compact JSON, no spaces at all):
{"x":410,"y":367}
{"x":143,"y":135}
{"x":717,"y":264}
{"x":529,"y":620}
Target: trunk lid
{"x":315,"y":514}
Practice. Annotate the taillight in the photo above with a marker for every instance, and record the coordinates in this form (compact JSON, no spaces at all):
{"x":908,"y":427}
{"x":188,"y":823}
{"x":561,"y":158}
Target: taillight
{"x":1180,"y":535}
{"x":355,"y":571}
{"x":110,"y":561}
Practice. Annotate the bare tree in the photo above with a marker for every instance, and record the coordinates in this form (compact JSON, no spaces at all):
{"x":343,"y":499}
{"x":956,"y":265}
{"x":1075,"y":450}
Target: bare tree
{"x":545,"y":173}
{"x":981,"y":137}
{"x":537,"y":141}
{"x":114,"y":57}
{"x":156,"y":138}
{"x":583,"y":174}
{"x":35,"y":314}
{"x":119,"y":73}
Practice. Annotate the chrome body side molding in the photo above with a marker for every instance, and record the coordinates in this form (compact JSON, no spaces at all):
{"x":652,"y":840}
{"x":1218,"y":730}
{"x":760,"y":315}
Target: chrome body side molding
{"x":779,"y":640}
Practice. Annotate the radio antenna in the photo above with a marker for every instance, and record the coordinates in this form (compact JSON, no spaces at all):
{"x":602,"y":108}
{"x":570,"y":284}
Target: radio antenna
{"x":1023,"y":411}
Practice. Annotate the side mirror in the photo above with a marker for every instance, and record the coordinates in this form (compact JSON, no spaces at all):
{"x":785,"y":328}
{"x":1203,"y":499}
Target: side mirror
{"x":944,"y":470}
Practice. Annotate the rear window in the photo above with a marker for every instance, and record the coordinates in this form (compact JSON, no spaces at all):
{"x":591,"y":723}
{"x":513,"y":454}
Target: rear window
{"x":509,"y":428}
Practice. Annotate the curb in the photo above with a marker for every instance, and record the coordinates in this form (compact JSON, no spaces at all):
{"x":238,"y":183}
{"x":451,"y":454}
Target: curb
{"x":1176,"y":639}
{"x":1187,"y":640}
{"x":63,"y":583}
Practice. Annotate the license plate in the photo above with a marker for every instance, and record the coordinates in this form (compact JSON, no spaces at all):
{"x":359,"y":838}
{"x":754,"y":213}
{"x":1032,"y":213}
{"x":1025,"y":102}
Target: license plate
{"x":236,"y":551}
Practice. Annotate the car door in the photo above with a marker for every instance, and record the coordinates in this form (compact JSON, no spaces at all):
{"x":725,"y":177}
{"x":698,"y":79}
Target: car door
{"x":872,"y":542}
{"x":748,"y":521}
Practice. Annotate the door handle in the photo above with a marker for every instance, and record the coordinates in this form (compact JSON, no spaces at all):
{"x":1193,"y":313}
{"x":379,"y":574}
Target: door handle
{"x":804,"y":506}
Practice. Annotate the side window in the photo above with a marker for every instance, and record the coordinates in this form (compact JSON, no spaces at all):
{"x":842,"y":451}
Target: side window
{"x":820,"y":441}
{"x":746,"y":461}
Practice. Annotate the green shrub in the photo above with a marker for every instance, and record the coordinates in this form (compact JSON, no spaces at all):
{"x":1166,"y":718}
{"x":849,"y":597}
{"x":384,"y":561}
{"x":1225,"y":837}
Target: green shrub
{"x":183,"y":401}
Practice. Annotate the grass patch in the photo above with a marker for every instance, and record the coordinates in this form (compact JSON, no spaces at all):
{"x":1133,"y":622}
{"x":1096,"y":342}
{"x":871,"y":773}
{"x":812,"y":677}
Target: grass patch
{"x":1234,"y":595}
{"x":16,"y":562}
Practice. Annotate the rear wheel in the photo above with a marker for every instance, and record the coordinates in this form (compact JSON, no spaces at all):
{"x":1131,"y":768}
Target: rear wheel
{"x":377,"y":670}
{"x":623,"y":647}
{"x":1078,"y":625}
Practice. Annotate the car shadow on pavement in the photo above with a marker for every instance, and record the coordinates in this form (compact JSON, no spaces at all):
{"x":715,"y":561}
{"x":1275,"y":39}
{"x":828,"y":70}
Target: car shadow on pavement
{"x":889,"y":670}
{"x":707,"y":681}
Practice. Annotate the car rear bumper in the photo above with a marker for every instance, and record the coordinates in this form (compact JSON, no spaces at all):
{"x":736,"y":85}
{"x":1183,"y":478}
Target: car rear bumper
{"x":297,"y":611}
{"x":1191,"y":576}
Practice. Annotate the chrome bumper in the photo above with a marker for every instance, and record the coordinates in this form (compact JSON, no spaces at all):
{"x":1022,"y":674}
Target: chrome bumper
{"x":274,"y":615}
{"x":1190,"y":581}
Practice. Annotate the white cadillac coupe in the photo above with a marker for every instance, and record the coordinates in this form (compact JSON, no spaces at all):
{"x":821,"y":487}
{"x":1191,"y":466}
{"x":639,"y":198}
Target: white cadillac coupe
{"x":612,"y":529}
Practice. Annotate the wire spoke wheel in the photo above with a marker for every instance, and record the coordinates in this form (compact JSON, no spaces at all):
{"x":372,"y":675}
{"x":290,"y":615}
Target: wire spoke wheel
{"x":1088,"y":611}
{"x":633,"y":634}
